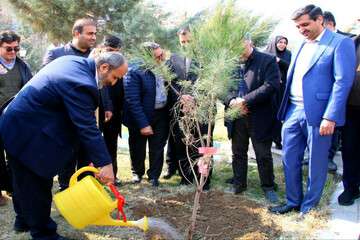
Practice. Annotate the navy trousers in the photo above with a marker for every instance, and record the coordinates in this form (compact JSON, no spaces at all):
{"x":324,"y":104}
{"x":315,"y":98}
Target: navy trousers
{"x":32,"y":202}
{"x":297,"y":135}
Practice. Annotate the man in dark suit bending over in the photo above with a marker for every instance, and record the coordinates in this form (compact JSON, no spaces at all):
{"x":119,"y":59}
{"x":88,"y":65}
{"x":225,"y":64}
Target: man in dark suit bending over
{"x":44,"y":125}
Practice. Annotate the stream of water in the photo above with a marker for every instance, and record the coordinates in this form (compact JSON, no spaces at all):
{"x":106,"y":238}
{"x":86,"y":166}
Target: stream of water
{"x":165,"y":229}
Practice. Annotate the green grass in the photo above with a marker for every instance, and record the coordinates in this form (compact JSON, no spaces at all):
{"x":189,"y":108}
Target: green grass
{"x":223,"y":170}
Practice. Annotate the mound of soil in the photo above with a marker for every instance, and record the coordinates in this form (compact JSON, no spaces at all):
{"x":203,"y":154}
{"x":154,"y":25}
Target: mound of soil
{"x":221,"y":216}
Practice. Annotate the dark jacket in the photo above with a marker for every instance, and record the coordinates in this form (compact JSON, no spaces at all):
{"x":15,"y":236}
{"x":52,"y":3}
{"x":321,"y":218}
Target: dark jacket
{"x":43,"y":125}
{"x":112,"y":99}
{"x":262,"y":78}
{"x":140,"y":94}
{"x":354,"y":97}
{"x":67,"y":49}
{"x":25,"y":71}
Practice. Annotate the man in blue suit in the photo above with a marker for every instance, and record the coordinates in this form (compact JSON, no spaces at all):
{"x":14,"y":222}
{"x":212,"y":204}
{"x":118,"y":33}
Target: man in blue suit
{"x":44,"y":124}
{"x":318,"y":83}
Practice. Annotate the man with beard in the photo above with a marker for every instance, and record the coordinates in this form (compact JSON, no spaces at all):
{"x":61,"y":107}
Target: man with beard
{"x":44,"y":124}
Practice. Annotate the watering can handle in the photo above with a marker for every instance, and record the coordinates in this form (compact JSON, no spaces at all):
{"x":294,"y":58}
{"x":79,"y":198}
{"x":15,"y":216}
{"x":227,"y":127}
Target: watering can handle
{"x":74,"y":177}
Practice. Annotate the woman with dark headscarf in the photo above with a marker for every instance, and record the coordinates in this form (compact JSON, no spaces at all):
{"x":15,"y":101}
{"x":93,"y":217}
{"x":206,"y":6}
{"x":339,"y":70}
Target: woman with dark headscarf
{"x":283,"y":56}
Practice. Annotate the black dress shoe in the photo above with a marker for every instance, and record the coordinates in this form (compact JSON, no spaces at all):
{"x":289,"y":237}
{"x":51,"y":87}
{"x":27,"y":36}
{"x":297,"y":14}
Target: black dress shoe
{"x":20,"y":226}
{"x":237,"y":189}
{"x":332,"y":167}
{"x":282,"y":209}
{"x":347,"y":197}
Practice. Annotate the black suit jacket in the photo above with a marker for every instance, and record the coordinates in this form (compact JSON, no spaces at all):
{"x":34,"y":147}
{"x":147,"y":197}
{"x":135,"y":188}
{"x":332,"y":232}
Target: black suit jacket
{"x":262,"y":78}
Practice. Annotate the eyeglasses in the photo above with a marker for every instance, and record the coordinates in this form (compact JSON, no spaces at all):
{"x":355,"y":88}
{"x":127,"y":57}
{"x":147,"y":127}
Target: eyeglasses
{"x":10,"y":49}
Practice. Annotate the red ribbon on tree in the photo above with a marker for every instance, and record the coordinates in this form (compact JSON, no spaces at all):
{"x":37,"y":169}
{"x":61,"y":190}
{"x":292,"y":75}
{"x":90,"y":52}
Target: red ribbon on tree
{"x":202,"y":165}
{"x":207,"y":150}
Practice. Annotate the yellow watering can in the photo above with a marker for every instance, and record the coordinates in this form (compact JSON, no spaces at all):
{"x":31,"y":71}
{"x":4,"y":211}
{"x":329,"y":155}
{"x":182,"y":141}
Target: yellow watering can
{"x":86,"y":202}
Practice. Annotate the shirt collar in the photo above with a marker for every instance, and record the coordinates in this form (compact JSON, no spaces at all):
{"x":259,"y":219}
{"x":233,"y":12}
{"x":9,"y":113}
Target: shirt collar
{"x":7,"y":65}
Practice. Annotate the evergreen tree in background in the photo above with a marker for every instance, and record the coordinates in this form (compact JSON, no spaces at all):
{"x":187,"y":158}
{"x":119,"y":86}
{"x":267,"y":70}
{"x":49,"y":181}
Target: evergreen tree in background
{"x":146,"y":22}
{"x":135,"y":21}
{"x":56,"y":17}
{"x":45,"y":21}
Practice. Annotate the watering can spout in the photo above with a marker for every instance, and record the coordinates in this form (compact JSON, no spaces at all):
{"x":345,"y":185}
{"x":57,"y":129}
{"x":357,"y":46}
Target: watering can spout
{"x":143,"y":223}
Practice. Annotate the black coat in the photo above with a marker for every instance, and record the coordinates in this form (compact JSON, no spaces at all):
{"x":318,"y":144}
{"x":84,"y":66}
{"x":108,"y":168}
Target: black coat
{"x":112,"y":99}
{"x":262,"y":78}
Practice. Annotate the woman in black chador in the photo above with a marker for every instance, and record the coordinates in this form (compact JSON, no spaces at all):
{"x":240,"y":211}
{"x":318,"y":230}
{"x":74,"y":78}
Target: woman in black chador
{"x":277,"y":47}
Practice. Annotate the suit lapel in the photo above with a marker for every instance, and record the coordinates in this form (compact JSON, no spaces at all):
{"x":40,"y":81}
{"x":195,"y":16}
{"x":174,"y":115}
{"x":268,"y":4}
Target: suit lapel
{"x":323,"y":44}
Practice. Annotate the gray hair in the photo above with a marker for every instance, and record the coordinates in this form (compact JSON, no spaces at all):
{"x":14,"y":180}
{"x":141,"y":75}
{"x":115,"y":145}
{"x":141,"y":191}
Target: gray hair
{"x":114,"y":59}
{"x":150,"y":46}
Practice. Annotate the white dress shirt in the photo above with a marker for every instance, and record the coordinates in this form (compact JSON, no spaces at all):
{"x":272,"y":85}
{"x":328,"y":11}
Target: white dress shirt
{"x":301,"y":66}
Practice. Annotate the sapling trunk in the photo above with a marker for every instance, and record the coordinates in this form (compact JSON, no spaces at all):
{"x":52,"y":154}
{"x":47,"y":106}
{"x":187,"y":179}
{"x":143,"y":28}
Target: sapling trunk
{"x":203,"y":177}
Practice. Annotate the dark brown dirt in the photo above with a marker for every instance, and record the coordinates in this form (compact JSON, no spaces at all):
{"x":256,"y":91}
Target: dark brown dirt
{"x":221,"y":216}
